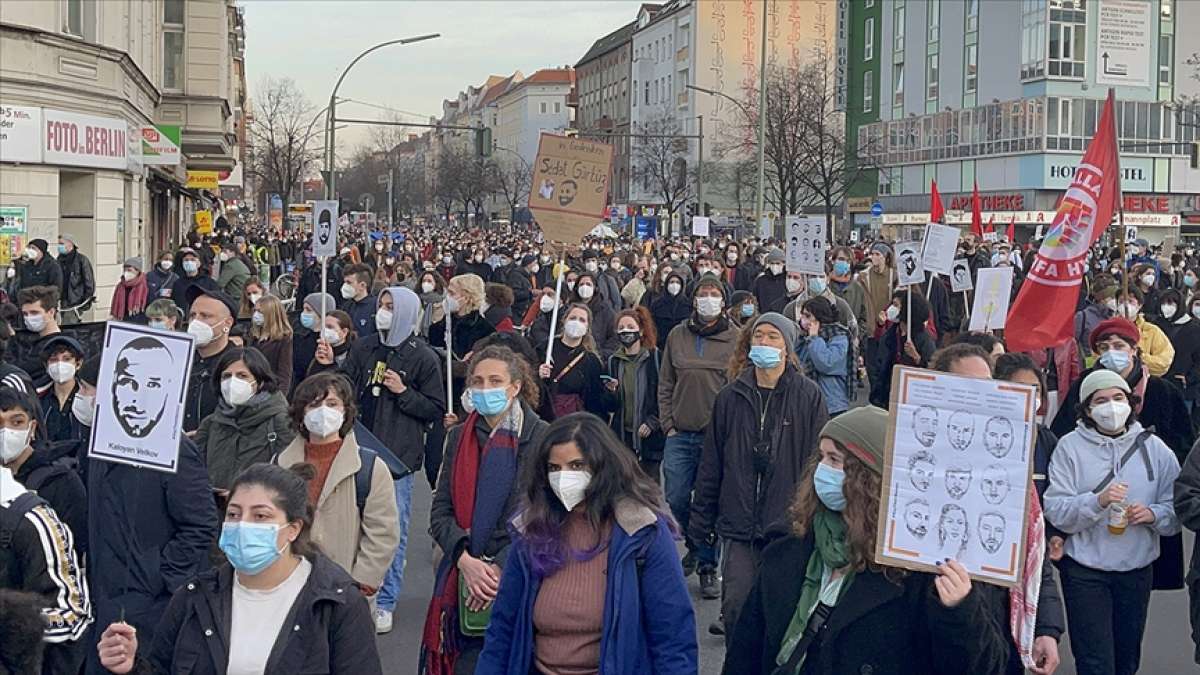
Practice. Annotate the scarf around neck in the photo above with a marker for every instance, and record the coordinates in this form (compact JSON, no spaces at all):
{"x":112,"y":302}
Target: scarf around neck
{"x":698,"y":326}
{"x":831,"y":552}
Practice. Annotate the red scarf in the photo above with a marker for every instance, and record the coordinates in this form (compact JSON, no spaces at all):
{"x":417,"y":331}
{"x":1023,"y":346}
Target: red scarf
{"x":129,"y":297}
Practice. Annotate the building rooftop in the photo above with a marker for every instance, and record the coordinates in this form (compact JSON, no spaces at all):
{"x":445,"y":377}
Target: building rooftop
{"x":609,"y":42}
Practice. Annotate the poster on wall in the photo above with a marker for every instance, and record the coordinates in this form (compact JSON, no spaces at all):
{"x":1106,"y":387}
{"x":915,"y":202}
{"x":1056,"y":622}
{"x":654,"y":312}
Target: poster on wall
{"x":956,"y":474}
{"x":14,"y":221}
{"x":140,"y":396}
{"x":1125,"y":34}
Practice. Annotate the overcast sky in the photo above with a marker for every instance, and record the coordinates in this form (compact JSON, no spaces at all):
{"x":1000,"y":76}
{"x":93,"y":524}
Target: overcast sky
{"x":311,"y":41}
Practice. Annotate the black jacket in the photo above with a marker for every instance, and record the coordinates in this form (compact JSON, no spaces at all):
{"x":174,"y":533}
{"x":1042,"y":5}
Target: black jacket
{"x":771,"y":291}
{"x":149,"y":532}
{"x":1187,"y":509}
{"x":56,"y":481}
{"x":668,"y":310}
{"x":885,"y":358}
{"x":1185,"y":367}
{"x":645,"y":407}
{"x":159,"y":283}
{"x":310,"y":279}
{"x":737,"y":495}
{"x":202,"y":397}
{"x":362,"y":314}
{"x":181,"y":286}
{"x":78,"y":282}
{"x":399,"y":420}
{"x":38,"y":560}
{"x":878,"y":627}
{"x":328,"y":629}
{"x":45,"y":272}
{"x":443,"y":526}
{"x":516,"y":278}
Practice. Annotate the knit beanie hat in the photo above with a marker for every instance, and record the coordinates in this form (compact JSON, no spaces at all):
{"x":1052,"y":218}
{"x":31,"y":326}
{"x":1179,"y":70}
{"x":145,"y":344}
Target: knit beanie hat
{"x":1119,"y":326}
{"x":784,"y":325}
{"x":710,"y":280}
{"x":1101,"y":378}
{"x":880,"y":247}
{"x":134,"y":262}
{"x":863,"y":431}
{"x":314,"y":300}
{"x":774,"y":256}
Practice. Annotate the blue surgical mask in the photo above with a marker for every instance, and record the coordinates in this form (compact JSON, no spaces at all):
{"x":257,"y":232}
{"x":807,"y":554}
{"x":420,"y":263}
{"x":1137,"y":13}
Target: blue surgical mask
{"x":308,"y":320}
{"x":765,"y":357}
{"x":160,"y":324}
{"x":841,"y":268}
{"x":62,"y":249}
{"x":489,"y":402}
{"x":1115,"y":360}
{"x":747,"y":310}
{"x":817,"y":285}
{"x":828,"y":483}
{"x":250,"y":547}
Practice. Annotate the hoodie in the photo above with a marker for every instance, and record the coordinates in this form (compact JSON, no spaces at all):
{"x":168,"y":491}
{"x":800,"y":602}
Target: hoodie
{"x":1081,"y":461}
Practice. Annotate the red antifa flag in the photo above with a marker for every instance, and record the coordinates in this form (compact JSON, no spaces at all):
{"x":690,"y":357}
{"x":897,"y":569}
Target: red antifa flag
{"x":976,"y":214}
{"x":1043,"y":314}
{"x":937,"y":214}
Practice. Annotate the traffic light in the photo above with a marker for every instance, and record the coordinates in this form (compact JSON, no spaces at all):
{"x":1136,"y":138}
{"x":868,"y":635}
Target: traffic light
{"x":690,"y":210}
{"x":483,"y":142}
{"x":1196,"y":155}
{"x":707,"y":209}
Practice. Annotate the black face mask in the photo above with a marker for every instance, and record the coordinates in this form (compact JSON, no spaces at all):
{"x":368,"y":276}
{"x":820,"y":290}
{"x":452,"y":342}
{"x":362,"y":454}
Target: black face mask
{"x":629,"y":337}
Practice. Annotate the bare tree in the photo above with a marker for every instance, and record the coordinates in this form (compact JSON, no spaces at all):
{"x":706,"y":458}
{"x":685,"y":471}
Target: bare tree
{"x":660,"y":162}
{"x":511,"y":178}
{"x":282,"y":136}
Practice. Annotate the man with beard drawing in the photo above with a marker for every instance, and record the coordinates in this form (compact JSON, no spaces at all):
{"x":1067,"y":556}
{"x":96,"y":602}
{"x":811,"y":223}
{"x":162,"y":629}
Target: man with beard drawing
{"x":961,"y":428}
{"x":925,"y":421}
{"x":141,"y":385}
{"x":991,"y":531}
{"x":916,"y":517}
{"x":998,"y":437}
{"x":921,"y":466}
{"x":958,"y":480}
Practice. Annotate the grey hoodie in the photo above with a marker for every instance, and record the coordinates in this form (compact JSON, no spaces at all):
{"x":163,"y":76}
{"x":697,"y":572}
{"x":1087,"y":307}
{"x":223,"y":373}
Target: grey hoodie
{"x":406,"y":307}
{"x":1082,"y":459}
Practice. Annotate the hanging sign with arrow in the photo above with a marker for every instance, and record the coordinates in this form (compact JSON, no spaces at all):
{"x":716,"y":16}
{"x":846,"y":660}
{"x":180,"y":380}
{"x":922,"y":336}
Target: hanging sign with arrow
{"x":1123,"y":43}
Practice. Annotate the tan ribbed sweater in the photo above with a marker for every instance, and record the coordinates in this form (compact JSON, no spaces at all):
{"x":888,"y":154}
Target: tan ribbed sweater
{"x":568,"y":614}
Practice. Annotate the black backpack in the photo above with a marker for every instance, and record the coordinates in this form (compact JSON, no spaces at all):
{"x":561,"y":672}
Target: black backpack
{"x":12,"y":515}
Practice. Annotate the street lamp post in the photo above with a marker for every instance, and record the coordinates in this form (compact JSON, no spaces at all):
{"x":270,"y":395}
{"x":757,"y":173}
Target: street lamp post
{"x":762,"y":123}
{"x":330,"y":185}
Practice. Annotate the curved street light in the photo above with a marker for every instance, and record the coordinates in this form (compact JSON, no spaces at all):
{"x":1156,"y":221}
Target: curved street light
{"x":330,"y":185}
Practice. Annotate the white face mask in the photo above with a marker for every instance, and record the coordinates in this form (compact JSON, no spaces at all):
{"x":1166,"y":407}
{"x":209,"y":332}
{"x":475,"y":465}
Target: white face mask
{"x":547,"y":304}
{"x":570,"y":486}
{"x":1130,"y":310}
{"x":35,"y":322}
{"x":236,"y":391}
{"x":709,"y":307}
{"x":332,"y":336}
{"x":12,"y":443}
{"x":201,"y":331}
{"x":673,"y":288}
{"x":166,"y":265}
{"x":255,"y":297}
{"x":129,"y":275}
{"x":793,"y":285}
{"x":257,"y":318}
{"x":586,"y":291}
{"x":427,"y":286}
{"x":893,"y":313}
{"x":323,"y":421}
{"x":574,"y":328}
{"x":1148,"y":279}
{"x":191,"y":266}
{"x":1168,"y":311}
{"x":61,"y":371}
{"x":84,"y":409}
{"x":223,"y":257}
{"x":347,"y":291}
{"x":1110,"y":416}
{"x":776,"y":268}
{"x":452,"y":304}
{"x":590,"y":266}
{"x":383,"y":319}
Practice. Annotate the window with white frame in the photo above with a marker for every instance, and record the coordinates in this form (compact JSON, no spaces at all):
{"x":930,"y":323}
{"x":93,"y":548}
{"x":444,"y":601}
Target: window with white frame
{"x":868,"y":92}
{"x":1033,"y":39}
{"x":1067,"y":53}
{"x":931,"y":77}
{"x":972,"y":15}
{"x":1166,"y":55}
{"x":898,"y":84}
{"x":542,"y":107}
{"x":173,"y":18}
{"x":971,"y":69}
{"x":933,"y":9}
{"x":898,"y":27}
{"x":869,"y":39}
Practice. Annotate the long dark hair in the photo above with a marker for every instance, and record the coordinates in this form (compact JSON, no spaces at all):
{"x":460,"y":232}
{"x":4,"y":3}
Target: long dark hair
{"x":289,"y":493}
{"x":615,"y":477}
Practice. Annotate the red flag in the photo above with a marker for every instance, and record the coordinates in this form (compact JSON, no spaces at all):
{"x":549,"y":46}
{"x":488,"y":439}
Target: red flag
{"x":991,"y":224}
{"x":1043,"y":314}
{"x":937,"y":214}
{"x":976,"y":214}
{"x":1011,"y":233}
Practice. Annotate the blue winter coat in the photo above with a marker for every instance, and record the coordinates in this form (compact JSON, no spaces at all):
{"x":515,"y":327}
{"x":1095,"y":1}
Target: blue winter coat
{"x":825,"y":362}
{"x":649,"y":624}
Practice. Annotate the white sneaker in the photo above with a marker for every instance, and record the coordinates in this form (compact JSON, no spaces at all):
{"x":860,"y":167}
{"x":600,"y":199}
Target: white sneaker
{"x":383,"y":621}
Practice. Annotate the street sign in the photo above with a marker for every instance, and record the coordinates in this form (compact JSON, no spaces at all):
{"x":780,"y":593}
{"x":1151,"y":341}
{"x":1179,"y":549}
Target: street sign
{"x":877,"y":209}
{"x":325,"y":228}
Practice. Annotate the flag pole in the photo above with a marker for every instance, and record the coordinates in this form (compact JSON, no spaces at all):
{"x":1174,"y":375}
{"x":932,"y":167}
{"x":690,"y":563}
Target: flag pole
{"x":562,"y":267}
{"x":1120,"y":207}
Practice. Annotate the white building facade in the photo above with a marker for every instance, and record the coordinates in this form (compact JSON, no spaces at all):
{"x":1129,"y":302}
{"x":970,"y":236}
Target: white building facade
{"x":538,"y":103}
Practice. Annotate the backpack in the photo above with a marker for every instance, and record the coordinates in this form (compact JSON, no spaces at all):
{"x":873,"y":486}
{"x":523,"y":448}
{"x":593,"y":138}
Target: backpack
{"x":41,"y":475}
{"x":12,"y":515}
{"x":362,"y":479}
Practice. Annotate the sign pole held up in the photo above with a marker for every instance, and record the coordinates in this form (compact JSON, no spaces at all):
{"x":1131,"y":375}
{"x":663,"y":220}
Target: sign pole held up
{"x":324,"y":285}
{"x":562,"y":267}
{"x":449,"y":366}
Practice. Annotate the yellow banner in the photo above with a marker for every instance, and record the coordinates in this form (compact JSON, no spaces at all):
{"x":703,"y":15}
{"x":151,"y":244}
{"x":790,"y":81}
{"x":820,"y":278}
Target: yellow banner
{"x":202,"y":180}
{"x":204,"y":222}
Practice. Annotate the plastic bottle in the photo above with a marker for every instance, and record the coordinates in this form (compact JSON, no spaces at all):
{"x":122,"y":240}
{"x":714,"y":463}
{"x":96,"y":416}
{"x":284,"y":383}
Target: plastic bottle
{"x":1118,"y":517}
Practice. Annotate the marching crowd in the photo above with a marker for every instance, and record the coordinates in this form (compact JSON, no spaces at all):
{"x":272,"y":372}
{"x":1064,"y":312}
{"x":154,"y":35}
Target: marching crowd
{"x":582,"y":414}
